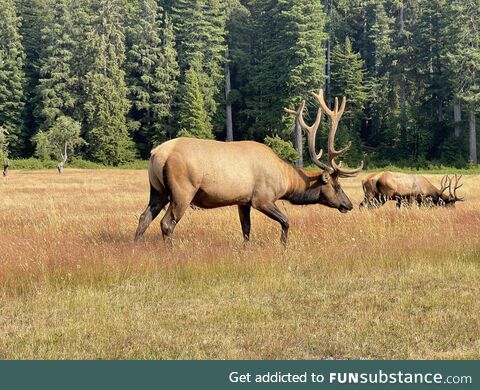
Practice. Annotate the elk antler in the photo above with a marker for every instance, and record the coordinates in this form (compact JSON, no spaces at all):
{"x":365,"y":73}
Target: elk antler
{"x":311,"y":132}
{"x":445,"y":184}
{"x":335,"y":117}
{"x":453,"y":196}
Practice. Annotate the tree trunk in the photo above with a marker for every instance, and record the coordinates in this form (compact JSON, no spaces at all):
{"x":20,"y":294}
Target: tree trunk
{"x":60,"y":167}
{"x":6,"y":168}
{"x":440,"y":116}
{"x":457,"y":118}
{"x":61,"y":164}
{"x":472,"y":138}
{"x":228,"y":89}
{"x":299,"y":144}
{"x":403,"y":94}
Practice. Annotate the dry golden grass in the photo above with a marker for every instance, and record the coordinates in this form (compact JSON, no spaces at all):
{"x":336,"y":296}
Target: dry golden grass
{"x":382,"y":284}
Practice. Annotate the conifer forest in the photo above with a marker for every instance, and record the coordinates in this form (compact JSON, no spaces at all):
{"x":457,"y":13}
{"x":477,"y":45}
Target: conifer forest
{"x":107,"y":80}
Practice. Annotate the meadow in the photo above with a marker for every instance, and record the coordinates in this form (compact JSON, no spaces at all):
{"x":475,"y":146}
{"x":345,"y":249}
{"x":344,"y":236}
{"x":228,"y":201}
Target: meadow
{"x":380,"y":284}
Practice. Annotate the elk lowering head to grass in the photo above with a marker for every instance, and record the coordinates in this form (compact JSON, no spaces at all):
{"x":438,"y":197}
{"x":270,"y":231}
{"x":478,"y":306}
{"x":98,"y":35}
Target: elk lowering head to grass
{"x":408,"y":189}
{"x":211,"y":174}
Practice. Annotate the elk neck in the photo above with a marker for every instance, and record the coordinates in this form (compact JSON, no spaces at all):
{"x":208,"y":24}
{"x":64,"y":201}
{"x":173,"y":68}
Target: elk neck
{"x":303,"y":186}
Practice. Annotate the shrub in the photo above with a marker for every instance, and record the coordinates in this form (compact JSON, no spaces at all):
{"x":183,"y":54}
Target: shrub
{"x":283,"y":148}
{"x":32,"y":163}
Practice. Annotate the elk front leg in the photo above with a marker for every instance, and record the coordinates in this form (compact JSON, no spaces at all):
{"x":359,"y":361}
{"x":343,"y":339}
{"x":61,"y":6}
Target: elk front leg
{"x":244,"y":213}
{"x":272,"y":211}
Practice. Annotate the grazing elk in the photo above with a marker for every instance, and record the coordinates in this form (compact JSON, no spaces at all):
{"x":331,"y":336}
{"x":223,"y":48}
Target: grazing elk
{"x":211,"y":174}
{"x":408,"y":189}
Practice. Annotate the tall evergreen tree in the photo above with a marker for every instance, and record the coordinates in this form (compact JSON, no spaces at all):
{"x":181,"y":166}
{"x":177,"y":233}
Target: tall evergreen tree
{"x":464,"y":60}
{"x":348,"y":77}
{"x":168,"y":74}
{"x":35,"y":16}
{"x":12,"y":77}
{"x":57,"y":90}
{"x":106,"y":104}
{"x":290,"y":59}
{"x":200,"y":32}
{"x":152,"y":72}
{"x":240,"y":40}
{"x":193,"y":120}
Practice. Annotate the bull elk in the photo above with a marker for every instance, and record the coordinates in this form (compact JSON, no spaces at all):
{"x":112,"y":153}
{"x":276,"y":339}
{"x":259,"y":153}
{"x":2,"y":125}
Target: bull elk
{"x":211,"y":174}
{"x":408,"y":189}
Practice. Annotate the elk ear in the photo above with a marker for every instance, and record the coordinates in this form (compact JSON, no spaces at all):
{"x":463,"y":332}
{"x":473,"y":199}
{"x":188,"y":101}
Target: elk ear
{"x":325,"y":177}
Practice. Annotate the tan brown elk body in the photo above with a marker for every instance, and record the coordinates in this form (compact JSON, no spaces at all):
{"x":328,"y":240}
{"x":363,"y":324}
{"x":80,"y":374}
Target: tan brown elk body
{"x":408,"y":189}
{"x":211,"y":174}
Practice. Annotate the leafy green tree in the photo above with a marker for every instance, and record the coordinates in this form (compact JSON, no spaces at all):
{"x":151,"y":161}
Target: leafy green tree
{"x":59,"y":141}
{"x":106,"y":104}
{"x":12,"y":77}
{"x":193,"y":120}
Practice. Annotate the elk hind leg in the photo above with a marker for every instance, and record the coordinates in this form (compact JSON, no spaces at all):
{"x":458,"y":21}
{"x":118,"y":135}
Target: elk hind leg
{"x":271,"y":210}
{"x":244,"y":213}
{"x":172,"y":217}
{"x":158,"y":201}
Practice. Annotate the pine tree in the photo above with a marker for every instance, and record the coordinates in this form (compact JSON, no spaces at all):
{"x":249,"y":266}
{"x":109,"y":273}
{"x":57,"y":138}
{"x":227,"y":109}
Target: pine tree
{"x":106,"y":104}
{"x":12,"y":77}
{"x":57,"y":89}
{"x":200,"y":32}
{"x":464,"y":62}
{"x":193,"y":120}
{"x":167,"y":73}
{"x":240,"y":40}
{"x":289,"y":63}
{"x":35,"y":16}
{"x":152,"y":72}
{"x":380,"y":130}
{"x":349,"y":79}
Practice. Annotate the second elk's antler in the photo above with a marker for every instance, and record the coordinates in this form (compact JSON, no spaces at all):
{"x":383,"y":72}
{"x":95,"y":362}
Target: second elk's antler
{"x":456,"y":186}
{"x":335,"y":116}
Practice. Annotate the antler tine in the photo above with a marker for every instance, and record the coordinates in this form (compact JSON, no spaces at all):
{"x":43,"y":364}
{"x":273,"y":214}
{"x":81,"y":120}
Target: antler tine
{"x":335,"y":117}
{"x":456,"y":187}
{"x":311,"y":132}
{"x":347,"y":172}
{"x":444,"y":184}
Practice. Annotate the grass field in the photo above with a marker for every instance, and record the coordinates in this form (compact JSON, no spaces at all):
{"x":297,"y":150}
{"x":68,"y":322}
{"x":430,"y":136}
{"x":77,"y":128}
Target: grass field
{"x":379,"y":284}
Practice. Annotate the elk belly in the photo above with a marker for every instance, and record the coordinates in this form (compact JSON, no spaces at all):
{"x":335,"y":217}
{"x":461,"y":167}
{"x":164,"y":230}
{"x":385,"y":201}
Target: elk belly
{"x":209,"y":201}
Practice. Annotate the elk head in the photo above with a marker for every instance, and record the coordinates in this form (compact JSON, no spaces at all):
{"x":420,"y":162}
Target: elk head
{"x":326,"y":186}
{"x":447,"y":183}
